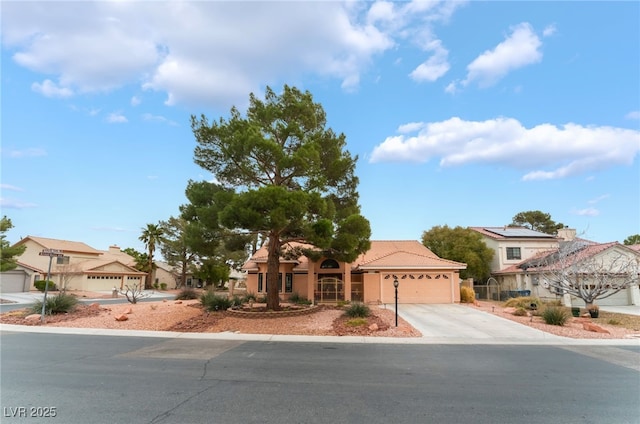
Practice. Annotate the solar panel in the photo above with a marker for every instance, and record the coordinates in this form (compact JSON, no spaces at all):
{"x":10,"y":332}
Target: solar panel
{"x":518,"y":232}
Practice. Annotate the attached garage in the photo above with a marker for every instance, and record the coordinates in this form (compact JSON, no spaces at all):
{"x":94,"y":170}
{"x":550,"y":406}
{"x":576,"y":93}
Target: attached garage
{"x":421,"y":288}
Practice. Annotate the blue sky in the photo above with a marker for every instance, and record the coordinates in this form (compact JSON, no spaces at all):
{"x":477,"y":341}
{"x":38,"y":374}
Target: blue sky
{"x":461,"y":113}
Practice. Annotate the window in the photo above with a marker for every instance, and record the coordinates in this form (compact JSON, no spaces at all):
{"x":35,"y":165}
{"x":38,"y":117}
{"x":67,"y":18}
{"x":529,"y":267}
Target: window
{"x":260,"y":282}
{"x":513,"y":253}
{"x":330,"y":264}
{"x":288,"y":283}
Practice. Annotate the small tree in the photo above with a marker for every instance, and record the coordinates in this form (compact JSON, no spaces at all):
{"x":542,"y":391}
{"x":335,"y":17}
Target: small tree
{"x":8,"y":253}
{"x":588,"y":271}
{"x":461,"y":245}
{"x":631,"y":240}
{"x":537,"y":221}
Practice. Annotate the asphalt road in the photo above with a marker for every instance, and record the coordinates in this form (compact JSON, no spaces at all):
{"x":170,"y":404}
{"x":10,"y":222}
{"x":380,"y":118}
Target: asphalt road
{"x":103,"y":379}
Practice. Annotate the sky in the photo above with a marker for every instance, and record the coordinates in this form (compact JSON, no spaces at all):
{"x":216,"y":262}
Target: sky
{"x":460,"y":113}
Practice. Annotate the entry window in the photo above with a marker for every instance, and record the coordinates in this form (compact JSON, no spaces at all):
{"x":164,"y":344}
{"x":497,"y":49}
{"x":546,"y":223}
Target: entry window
{"x":260,"y":282}
{"x":513,"y":253}
{"x":288,"y":283}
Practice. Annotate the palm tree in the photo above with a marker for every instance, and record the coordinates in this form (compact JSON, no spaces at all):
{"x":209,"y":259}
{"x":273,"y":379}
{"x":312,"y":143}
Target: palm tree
{"x":151,"y":235}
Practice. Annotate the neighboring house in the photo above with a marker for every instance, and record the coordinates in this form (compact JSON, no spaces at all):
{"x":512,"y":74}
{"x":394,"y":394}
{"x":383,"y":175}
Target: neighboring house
{"x":516,"y":249}
{"x":423,"y":277}
{"x":512,"y":245}
{"x":167,"y":274}
{"x":18,"y":279}
{"x":81,"y":268}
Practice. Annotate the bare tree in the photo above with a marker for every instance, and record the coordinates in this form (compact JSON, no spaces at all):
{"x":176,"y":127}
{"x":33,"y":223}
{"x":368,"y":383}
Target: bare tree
{"x":588,"y":271}
{"x":134,"y":293}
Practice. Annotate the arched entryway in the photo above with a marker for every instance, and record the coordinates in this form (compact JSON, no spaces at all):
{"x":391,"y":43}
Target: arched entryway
{"x":329,"y":290}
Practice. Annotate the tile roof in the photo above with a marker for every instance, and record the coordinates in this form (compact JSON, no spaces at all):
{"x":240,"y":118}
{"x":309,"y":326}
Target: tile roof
{"x":64,"y":245}
{"x":588,"y":251}
{"x":382,"y":254}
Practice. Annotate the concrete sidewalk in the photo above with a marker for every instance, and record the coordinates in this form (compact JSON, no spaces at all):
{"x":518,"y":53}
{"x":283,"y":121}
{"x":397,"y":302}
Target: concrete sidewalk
{"x":27,"y":298}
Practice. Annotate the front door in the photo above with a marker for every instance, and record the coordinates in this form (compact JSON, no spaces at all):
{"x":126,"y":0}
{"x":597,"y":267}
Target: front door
{"x":329,"y":290}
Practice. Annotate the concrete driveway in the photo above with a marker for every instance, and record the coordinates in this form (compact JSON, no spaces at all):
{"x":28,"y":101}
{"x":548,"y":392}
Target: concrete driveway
{"x":464,"y":324}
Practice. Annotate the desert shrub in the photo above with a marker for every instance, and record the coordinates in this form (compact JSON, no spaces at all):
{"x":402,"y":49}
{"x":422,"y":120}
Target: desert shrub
{"x":614,"y":321}
{"x":343,"y":303}
{"x":237,"y":300}
{"x":59,"y":304}
{"x":467,"y":295}
{"x":212,"y":302}
{"x":520,"y":312}
{"x":523,"y":302}
{"x":555,"y":315}
{"x":250,"y":297}
{"x":357,"y":310}
{"x":163,"y":286}
{"x":187,"y":294}
{"x":298,"y":300}
{"x":357,"y":322}
{"x":261,"y":299}
{"x":39,"y":285}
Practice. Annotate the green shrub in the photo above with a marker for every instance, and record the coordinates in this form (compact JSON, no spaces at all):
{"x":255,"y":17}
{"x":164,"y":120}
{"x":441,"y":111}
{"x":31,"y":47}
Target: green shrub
{"x":250,"y":297}
{"x":39,"y":285}
{"x":212,"y":302}
{"x":343,"y":303}
{"x":467,"y":295}
{"x":357,"y":310}
{"x":187,"y":294}
{"x":261,"y":299}
{"x":298,"y":300}
{"x":236,"y":300}
{"x":520,"y":312}
{"x":555,"y":315}
{"x":59,"y":304}
{"x":163,"y":286}
{"x":357,"y":322}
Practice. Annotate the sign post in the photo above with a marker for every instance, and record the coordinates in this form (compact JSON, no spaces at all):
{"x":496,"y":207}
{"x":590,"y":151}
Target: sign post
{"x":50,"y":253}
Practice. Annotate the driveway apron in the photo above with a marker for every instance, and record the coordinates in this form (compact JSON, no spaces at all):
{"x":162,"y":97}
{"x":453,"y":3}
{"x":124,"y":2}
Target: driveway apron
{"x":459,"y":322}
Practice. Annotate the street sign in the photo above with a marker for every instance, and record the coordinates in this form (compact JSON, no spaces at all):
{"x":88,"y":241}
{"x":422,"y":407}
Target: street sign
{"x":51,"y":252}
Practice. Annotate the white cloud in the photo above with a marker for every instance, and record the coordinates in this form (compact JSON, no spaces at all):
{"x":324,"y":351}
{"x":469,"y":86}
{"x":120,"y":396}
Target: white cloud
{"x":135,"y":101}
{"x":49,"y":88}
{"x":633,"y":115}
{"x":434,"y":67}
{"x":212,"y":53}
{"x":598,"y":199}
{"x":549,"y":30}
{"x":157,"y":118}
{"x":15,"y":204}
{"x":10,"y":187}
{"x":116,"y":118}
{"x":25,"y":153}
{"x":542,"y":152}
{"x":586,"y":212}
{"x":519,"y":49}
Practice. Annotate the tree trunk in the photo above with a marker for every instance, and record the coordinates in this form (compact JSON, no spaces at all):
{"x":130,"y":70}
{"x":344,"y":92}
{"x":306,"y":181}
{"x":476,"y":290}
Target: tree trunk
{"x":273,"y":265}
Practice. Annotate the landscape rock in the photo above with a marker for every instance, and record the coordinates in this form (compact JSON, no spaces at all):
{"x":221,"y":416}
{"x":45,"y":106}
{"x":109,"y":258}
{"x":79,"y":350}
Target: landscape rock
{"x":589,"y":326}
{"x":373,"y":327}
{"x":94,"y":305}
{"x":177,"y":302}
{"x":122,"y":317}
{"x":32,"y":317}
{"x":510,"y":310}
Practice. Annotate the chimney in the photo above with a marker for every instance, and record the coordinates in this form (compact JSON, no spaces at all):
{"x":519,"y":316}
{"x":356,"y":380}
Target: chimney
{"x":567,"y":234}
{"x":114,"y":249}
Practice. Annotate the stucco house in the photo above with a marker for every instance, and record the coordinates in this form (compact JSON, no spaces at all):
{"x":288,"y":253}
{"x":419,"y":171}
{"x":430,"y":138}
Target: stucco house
{"x":423,"y":276}
{"x":516,"y":249}
{"x":80,"y":268}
